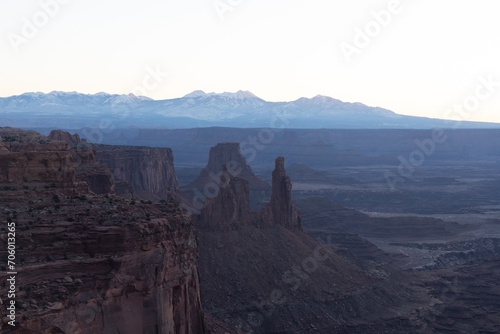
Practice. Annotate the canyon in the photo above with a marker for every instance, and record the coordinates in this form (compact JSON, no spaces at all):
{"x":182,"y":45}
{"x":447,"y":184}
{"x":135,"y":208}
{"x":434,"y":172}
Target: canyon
{"x":111,"y":240}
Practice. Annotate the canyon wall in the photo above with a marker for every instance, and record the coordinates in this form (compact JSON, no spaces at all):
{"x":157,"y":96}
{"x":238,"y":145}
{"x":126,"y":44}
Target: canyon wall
{"x":91,"y":262}
{"x":230,"y":209}
{"x":149,"y":171}
{"x":142,"y":172}
{"x":28,"y":157}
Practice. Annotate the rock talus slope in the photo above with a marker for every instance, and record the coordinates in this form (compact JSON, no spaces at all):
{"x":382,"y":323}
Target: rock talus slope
{"x":261,"y":273}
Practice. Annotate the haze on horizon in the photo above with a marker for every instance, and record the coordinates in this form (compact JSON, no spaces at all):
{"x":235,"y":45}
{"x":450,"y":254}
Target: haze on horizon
{"x":413,"y":57}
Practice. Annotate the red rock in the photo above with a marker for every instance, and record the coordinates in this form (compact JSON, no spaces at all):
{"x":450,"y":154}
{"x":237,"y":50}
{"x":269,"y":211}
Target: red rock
{"x":228,"y":154}
{"x":230,"y":208}
{"x":281,"y":210}
{"x":92,"y":263}
{"x":149,"y":171}
{"x":65,"y":136}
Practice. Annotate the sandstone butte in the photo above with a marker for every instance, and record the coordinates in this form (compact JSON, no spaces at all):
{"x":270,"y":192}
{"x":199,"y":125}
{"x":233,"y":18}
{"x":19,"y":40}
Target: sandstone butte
{"x":262,"y":274}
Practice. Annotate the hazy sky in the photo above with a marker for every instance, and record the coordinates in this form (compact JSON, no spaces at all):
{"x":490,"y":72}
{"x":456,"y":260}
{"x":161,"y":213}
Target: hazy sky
{"x":424,"y":59}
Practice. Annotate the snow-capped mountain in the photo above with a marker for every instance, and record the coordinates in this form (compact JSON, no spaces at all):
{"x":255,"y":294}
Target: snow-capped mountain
{"x":200,"y":109}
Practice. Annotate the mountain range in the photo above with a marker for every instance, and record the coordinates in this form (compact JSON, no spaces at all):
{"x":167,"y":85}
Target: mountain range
{"x":73,"y":110}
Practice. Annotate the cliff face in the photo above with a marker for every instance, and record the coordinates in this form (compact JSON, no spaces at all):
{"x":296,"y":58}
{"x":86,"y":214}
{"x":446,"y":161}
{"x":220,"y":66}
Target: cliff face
{"x":149,"y":171}
{"x":87,"y":262}
{"x":128,"y":269}
{"x":230,"y":208}
{"x":60,"y":159}
{"x":27,"y":156}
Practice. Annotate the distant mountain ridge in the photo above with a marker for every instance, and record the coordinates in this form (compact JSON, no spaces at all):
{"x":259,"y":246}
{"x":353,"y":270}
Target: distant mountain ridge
{"x":243,"y":109}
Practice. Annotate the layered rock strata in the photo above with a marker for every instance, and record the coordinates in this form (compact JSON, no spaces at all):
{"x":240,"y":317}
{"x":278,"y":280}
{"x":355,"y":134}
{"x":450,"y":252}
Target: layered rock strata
{"x":230,"y":209}
{"x":228,"y":154}
{"x":87,"y":262}
{"x":71,"y":139}
{"x":149,"y":171}
{"x":28,"y":157}
{"x":104,"y":265}
{"x":281,"y":210}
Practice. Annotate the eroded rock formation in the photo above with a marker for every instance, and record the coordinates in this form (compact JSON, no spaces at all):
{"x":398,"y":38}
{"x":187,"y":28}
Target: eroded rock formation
{"x":94,"y":173}
{"x":100,"y":266}
{"x":60,"y":159}
{"x":281,"y":209}
{"x":71,"y":139}
{"x":28,"y":157}
{"x":88,"y":262}
{"x":228,"y":154}
{"x":230,"y":208}
{"x":261,"y":273}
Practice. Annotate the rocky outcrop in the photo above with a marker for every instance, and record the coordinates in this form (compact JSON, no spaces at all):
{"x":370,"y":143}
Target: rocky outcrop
{"x":149,"y":171}
{"x":94,"y":173}
{"x":230,"y":208}
{"x":228,"y":154}
{"x":88,"y":262}
{"x":281,"y":210}
{"x":47,"y":167}
{"x":16,"y":140}
{"x":97,"y":266}
{"x":28,"y":157}
{"x":62,"y":162}
{"x":72,"y":140}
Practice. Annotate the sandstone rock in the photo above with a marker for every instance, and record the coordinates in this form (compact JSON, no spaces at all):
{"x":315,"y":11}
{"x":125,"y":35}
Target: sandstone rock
{"x":281,"y":210}
{"x":149,"y":171}
{"x":29,"y":157}
{"x":65,"y":136}
{"x":228,"y":154}
{"x":230,"y":208}
{"x":16,"y":140}
{"x":133,"y":265}
{"x":134,"y":275}
{"x":3,"y":149}
{"x":55,"y":167}
{"x":94,"y":173}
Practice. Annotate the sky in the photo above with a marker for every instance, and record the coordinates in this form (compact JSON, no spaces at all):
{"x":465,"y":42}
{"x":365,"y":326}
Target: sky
{"x":436,"y":59}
